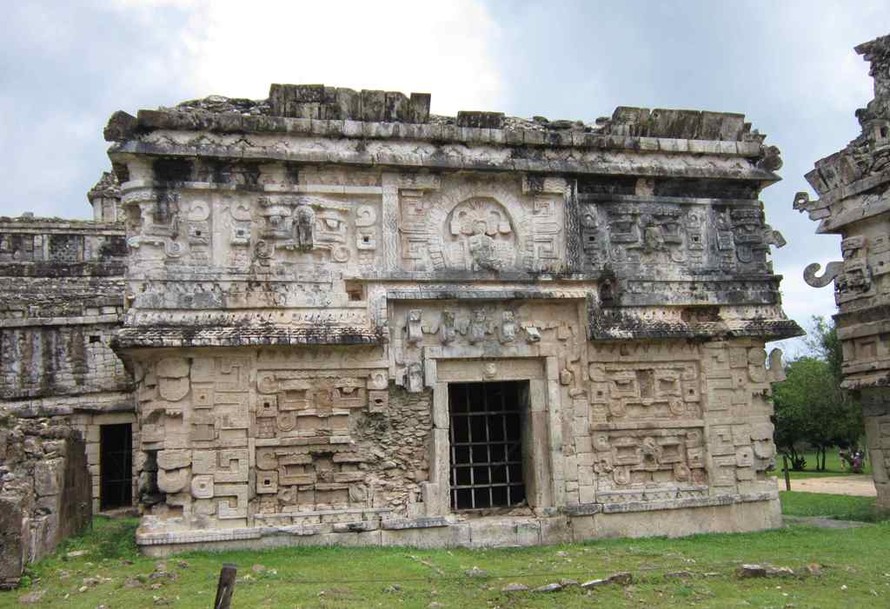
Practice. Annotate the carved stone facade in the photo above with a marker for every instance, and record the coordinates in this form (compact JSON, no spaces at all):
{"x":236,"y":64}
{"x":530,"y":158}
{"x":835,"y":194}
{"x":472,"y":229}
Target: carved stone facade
{"x":315,"y":277}
{"x":854,"y":202}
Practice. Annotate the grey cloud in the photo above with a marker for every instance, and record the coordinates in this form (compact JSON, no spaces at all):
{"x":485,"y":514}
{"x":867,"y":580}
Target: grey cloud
{"x":64,"y":68}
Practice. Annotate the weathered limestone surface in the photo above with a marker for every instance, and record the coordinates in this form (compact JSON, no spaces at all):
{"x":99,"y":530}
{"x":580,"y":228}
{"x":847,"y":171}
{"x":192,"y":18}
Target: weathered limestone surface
{"x":854,"y":202}
{"x":44,"y":490}
{"x":308,"y":275}
{"x":61,"y":298}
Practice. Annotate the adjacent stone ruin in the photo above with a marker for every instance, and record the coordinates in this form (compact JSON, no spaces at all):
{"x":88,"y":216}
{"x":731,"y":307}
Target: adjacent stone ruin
{"x":61,"y":298}
{"x":854,"y":202}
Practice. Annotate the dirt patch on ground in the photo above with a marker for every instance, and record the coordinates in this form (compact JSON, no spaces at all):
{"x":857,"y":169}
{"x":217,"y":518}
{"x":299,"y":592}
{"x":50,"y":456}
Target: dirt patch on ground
{"x":860,"y":486}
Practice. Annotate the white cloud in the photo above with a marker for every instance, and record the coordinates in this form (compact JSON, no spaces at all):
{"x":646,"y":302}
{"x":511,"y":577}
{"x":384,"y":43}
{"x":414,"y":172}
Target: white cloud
{"x":816,"y":32}
{"x":446,"y":49}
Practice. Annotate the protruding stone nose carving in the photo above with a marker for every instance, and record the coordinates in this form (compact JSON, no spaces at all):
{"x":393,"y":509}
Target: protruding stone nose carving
{"x":832,"y":270}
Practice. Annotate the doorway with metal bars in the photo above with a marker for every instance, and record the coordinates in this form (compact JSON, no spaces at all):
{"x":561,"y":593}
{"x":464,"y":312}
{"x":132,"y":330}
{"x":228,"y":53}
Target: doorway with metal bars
{"x":486,"y":444}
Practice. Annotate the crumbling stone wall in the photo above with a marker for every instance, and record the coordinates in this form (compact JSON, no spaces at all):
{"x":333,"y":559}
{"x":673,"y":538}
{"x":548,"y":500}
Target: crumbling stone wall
{"x":44,"y":490}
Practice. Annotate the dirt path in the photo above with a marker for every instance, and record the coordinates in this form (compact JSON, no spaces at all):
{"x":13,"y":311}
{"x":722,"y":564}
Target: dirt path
{"x":860,"y":486}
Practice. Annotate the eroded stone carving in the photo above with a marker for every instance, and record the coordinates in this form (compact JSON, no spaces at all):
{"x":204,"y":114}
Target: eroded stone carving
{"x":304,"y":227}
{"x":832,"y":270}
{"x":331,"y":277}
{"x":414,"y":378}
{"x":508,"y":327}
{"x":478,"y":327}
{"x":447,"y":331}
{"x":414,"y":331}
{"x":657,"y":390}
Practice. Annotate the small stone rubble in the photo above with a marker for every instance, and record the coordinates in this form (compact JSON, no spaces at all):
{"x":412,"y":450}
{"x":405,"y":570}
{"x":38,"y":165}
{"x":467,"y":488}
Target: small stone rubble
{"x":755,"y":570}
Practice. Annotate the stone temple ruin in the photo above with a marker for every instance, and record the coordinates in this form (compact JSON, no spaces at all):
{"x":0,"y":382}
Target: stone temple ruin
{"x":854,"y":202}
{"x":346,"y":320}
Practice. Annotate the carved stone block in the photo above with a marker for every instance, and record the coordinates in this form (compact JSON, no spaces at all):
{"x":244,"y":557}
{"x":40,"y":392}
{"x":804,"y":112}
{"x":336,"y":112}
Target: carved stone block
{"x":173,"y":367}
{"x":267,"y":482}
{"x":173,"y":481}
{"x":174,"y":459}
{"x":202,"y":486}
{"x":378,"y":401}
{"x":231,"y":501}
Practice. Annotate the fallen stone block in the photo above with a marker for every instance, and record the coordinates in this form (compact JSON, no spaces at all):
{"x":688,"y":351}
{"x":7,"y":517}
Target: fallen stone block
{"x":553,"y":587}
{"x":746,"y":571}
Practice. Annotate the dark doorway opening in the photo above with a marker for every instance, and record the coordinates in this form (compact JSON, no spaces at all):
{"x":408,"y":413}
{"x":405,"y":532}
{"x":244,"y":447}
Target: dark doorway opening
{"x":116,"y":470}
{"x":486,"y":444}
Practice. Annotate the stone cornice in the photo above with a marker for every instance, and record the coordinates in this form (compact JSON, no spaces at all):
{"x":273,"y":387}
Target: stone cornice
{"x":604,"y":155}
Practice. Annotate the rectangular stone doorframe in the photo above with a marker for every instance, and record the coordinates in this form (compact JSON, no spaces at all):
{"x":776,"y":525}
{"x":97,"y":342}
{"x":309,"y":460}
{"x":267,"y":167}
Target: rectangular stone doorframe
{"x":544,"y":474}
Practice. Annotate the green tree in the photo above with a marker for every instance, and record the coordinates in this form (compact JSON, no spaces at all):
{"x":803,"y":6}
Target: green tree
{"x":825,"y":345}
{"x":811,"y":407}
{"x":790,"y":416}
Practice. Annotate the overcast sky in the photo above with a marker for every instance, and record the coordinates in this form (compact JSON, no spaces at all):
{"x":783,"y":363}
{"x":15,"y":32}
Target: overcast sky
{"x":789,"y":66}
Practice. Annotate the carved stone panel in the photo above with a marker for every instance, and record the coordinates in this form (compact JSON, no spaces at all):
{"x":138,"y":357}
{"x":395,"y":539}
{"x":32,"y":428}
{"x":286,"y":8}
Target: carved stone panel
{"x":669,"y":239}
{"x":317,"y":228}
{"x":630,"y":462}
{"x":645,"y":390}
{"x":485,"y":227}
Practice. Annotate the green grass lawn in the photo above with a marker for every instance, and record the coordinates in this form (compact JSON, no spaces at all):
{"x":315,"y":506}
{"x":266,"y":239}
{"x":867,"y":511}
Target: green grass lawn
{"x":840,"y":507}
{"x":695,"y":571}
{"x":833,"y":467}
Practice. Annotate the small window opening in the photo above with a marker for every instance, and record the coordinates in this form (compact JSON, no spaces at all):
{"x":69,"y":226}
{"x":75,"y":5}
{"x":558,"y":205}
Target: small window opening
{"x":355,"y":291}
{"x":486,"y":444}
{"x":95,"y":339}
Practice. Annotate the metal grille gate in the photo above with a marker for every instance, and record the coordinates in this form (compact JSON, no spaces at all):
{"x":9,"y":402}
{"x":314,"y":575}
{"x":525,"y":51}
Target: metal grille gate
{"x":486,"y":444}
